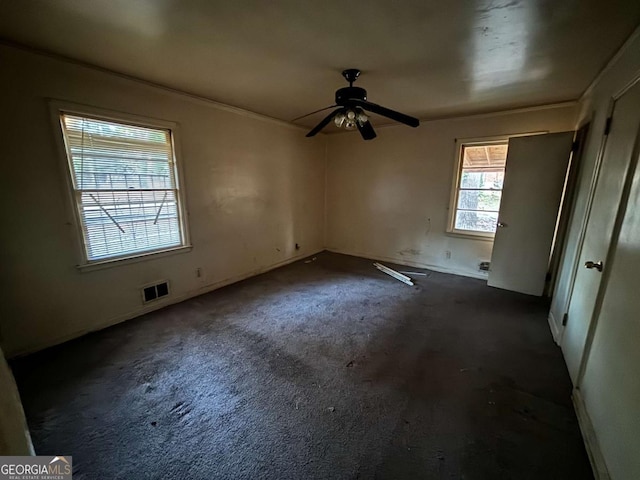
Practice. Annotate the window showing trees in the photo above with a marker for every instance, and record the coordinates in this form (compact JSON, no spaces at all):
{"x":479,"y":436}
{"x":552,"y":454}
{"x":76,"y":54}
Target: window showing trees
{"x":479,"y":187}
{"x":125,"y":187}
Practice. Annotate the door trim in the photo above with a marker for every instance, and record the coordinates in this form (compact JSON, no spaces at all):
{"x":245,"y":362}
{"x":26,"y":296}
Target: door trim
{"x":567,"y":204}
{"x":591,"y":443}
{"x":611,"y":251}
{"x":595,"y":176}
{"x":555,"y":332}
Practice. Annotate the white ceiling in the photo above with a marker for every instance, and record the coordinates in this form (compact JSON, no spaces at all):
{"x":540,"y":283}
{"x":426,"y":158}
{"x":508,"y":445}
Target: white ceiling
{"x":283,"y":58}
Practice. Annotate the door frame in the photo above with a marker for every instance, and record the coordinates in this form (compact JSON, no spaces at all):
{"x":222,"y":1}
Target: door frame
{"x":567,"y":204}
{"x":595,"y":176}
{"x":594,"y":452}
{"x":560,"y":327}
{"x":613,"y":245}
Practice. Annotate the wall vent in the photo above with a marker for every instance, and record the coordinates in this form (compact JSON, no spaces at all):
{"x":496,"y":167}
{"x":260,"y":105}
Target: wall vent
{"x":154,"y":292}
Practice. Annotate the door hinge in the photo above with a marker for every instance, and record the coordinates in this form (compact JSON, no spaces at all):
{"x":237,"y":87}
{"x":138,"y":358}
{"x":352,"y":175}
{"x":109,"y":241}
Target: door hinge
{"x":565,"y":318}
{"x":607,"y":126}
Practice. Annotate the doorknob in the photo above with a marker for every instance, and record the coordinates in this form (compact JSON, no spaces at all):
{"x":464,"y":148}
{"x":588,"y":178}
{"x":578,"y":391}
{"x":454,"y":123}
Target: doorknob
{"x":597,"y":265}
{"x":502,"y":225}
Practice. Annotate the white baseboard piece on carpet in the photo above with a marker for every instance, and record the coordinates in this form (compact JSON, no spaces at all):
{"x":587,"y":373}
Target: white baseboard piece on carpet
{"x":589,"y":436}
{"x":408,"y":263}
{"x":553,"y":326}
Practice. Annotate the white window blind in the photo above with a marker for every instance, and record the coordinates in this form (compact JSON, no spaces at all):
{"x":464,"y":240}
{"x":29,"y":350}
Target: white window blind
{"x":125,"y":186}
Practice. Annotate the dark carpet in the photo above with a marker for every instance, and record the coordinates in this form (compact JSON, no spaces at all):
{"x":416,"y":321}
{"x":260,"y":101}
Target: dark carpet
{"x":322,"y":370}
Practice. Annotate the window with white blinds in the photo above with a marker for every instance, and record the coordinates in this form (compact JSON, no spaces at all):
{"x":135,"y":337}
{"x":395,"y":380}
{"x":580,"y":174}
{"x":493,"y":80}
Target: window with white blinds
{"x":125,"y":187}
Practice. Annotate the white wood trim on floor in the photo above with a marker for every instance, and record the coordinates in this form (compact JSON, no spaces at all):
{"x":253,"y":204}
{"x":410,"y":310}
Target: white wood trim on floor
{"x":407,"y":263}
{"x":589,"y":436}
{"x":157,"y":306}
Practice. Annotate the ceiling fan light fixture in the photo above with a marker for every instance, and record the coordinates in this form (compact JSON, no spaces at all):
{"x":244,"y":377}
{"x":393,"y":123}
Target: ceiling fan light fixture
{"x":362,"y":118}
{"x":350,"y":125}
{"x":350,"y":114}
{"x":350,"y":119}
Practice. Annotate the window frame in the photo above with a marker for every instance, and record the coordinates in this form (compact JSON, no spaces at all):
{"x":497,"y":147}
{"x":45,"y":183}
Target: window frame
{"x":457,"y":176}
{"x":83,"y":263}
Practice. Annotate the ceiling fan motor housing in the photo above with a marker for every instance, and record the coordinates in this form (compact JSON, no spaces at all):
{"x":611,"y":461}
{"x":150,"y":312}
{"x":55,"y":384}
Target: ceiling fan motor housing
{"x":343,"y":95}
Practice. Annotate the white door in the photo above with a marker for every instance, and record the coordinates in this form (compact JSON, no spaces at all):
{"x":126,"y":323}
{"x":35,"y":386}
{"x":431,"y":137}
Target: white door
{"x":533,"y":182}
{"x":609,"y":382}
{"x":613,"y":172}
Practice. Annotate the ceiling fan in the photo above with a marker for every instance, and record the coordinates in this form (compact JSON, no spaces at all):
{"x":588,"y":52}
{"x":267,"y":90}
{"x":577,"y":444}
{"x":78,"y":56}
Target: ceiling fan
{"x":350,"y":114}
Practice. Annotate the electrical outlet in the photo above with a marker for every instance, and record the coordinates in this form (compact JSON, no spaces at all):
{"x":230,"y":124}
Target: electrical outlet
{"x":447,"y":254}
{"x":199,"y":272}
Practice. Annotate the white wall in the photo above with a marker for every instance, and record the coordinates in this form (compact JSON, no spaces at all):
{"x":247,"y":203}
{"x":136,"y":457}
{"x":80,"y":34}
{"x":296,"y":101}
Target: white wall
{"x":14,"y":434}
{"x":607,"y":394}
{"x":254,"y":188}
{"x":389,"y":198}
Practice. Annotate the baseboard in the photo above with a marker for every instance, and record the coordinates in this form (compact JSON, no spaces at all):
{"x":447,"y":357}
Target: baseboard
{"x":20,"y":352}
{"x":409,"y":263}
{"x":590,"y":440}
{"x":553,"y":326}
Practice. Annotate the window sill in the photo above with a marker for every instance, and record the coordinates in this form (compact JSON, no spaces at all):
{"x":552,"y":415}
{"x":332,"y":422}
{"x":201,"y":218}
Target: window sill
{"x":486,"y":237}
{"x":115,"y":262}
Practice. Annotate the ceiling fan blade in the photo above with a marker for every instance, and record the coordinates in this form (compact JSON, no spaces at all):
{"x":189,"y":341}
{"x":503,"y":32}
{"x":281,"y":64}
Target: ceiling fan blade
{"x":385,"y":112}
{"x":324,"y":122}
{"x":366,"y":130}
{"x":321,"y":110}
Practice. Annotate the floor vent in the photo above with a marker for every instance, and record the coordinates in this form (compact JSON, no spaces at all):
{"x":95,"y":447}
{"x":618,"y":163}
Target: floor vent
{"x":155,"y":292}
